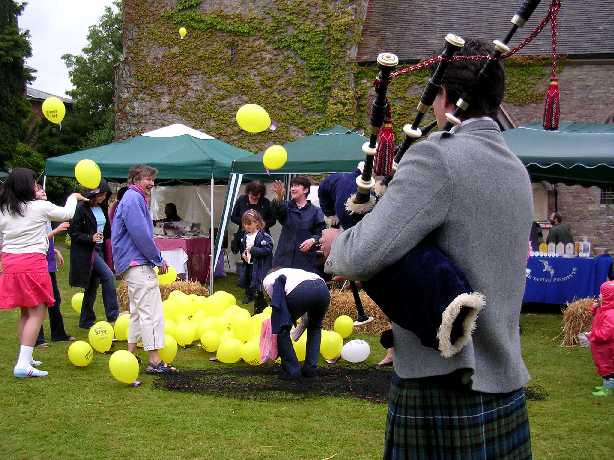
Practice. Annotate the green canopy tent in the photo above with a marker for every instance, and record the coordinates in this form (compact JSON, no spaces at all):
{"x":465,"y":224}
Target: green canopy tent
{"x":578,"y":153}
{"x":337,"y":149}
{"x":178,"y":152}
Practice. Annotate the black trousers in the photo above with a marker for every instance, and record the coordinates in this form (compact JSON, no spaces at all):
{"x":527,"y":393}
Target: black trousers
{"x":56,"y":321}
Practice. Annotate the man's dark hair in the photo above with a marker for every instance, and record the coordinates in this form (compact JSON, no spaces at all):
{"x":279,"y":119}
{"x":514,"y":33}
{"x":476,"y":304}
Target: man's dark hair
{"x":302,"y":180}
{"x":557,"y":217}
{"x":172,"y":208}
{"x":255,"y":188}
{"x":138,"y":172}
{"x":461,"y":77}
{"x":17,"y":191}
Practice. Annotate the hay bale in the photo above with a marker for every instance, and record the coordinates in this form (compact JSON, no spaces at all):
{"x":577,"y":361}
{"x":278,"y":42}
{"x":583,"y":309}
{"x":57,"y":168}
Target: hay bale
{"x":187,"y":287}
{"x":342,"y":303}
{"x":577,"y":317}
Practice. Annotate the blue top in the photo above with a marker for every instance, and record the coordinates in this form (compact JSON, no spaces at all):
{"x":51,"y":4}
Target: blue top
{"x":101,"y":220}
{"x":334,"y":191}
{"x":132,"y":234}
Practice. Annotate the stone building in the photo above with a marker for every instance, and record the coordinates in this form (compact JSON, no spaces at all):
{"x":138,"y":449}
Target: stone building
{"x":310,"y":63}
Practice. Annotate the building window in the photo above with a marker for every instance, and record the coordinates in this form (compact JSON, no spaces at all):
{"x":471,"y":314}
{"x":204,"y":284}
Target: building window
{"x":607,"y":194}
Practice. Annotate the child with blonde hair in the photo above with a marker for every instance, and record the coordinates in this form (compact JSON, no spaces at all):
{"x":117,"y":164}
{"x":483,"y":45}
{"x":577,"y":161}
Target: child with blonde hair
{"x":256,"y":248}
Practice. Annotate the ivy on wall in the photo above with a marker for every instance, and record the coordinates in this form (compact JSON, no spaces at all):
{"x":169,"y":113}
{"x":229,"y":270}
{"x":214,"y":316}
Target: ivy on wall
{"x":293,"y":57}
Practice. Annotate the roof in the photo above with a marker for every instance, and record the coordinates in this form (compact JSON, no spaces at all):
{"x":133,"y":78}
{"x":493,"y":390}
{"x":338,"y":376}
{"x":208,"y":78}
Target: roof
{"x":578,"y":153}
{"x":416,"y":30}
{"x":37,"y":94}
{"x":177,"y":157}
{"x":337,"y":149}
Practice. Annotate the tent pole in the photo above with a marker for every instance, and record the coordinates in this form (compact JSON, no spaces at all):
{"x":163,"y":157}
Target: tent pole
{"x":45,"y":182}
{"x":211,"y":238}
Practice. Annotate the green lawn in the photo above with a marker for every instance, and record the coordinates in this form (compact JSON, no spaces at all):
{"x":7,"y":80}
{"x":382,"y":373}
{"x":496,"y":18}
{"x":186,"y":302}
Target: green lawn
{"x":84,"y":413}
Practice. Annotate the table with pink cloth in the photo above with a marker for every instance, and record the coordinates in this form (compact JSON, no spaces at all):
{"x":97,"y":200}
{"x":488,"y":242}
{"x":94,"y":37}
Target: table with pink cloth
{"x":197,"y":249}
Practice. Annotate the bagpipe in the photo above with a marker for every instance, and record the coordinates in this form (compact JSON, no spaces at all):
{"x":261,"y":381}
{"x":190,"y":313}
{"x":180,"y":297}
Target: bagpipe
{"x":425,"y":292}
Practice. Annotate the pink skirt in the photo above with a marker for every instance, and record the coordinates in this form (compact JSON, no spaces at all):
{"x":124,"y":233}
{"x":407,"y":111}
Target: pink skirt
{"x":25,"y":281}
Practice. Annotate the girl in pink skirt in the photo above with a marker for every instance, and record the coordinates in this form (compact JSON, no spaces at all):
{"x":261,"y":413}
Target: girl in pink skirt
{"x":24,"y":280}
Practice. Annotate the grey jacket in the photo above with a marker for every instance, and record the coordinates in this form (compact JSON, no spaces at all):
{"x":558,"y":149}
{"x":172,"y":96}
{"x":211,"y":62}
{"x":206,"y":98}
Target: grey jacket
{"x":474,"y":195}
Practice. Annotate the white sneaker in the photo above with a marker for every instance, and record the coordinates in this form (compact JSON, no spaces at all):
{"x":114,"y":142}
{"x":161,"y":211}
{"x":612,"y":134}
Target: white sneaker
{"x":29,"y":372}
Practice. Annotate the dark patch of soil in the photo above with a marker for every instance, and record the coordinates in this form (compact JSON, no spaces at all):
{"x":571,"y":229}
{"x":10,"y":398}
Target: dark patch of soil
{"x":263,"y":383}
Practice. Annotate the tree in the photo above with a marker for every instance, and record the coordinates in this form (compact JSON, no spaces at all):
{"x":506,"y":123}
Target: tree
{"x":92,"y":75}
{"x":14,"y":49}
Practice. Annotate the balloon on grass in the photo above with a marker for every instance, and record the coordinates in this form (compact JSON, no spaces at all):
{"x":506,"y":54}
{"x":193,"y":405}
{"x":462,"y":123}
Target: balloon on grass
{"x":184,"y":333}
{"x":344,"y":326}
{"x":124,"y":366}
{"x":210,"y":340}
{"x":80,"y":353}
{"x":101,"y":336}
{"x":300,"y":347}
{"x":88,"y":174}
{"x":331,"y":344}
{"x":53,"y":109}
{"x":274,"y":157}
{"x":122,"y":323}
{"x":182,"y":32}
{"x":253,"y":118}
{"x":356,"y":351}
{"x":229,"y":350}
{"x":169,"y":351}
{"x":250,"y":353}
{"x":76,"y":301}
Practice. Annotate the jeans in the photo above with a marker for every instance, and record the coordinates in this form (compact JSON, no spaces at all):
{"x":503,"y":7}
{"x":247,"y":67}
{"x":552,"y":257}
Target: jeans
{"x":56,"y":322}
{"x":311,"y":297}
{"x":101,"y":274}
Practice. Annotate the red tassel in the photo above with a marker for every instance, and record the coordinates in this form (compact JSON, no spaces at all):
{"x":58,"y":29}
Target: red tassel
{"x":384,"y":156}
{"x":552,"y":109}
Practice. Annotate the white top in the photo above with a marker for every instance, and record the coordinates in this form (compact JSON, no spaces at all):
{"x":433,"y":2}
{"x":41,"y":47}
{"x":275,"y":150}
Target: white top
{"x":294,"y":276}
{"x":250,"y":239}
{"x":28,"y":234}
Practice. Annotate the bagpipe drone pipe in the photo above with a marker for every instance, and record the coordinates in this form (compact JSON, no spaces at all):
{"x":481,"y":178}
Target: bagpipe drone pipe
{"x":424,"y":291}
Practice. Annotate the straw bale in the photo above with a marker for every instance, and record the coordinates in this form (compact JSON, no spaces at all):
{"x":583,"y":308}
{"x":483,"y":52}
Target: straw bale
{"x":342,"y":303}
{"x":187,"y":287}
{"x":577,"y":317}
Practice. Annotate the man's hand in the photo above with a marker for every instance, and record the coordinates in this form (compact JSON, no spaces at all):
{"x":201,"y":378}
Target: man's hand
{"x":80,"y":197}
{"x":162,"y":269}
{"x":63,"y":227}
{"x":329,"y":235}
{"x":59,"y":258}
{"x":307,"y":245}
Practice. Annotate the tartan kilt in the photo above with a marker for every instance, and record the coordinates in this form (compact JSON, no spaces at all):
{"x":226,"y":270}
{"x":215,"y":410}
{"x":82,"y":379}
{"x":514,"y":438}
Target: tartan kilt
{"x":432,"y":419}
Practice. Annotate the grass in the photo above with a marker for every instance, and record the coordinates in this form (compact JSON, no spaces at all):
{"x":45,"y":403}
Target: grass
{"x":84,"y":413}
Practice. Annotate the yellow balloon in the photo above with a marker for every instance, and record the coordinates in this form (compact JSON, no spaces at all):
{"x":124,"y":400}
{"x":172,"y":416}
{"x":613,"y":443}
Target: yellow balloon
{"x":344,"y":326}
{"x":184,"y":333}
{"x":88,"y":174}
{"x":241,"y":327}
{"x":250,"y":353}
{"x":170,"y":327}
{"x":80,"y":353}
{"x":331,"y":345}
{"x":101,"y":336}
{"x":54,"y":110}
{"x":167,"y":278}
{"x":229,"y":350}
{"x":168,"y":309}
{"x":121,"y":327}
{"x":274,"y":157}
{"x":210,"y":340}
{"x":169,"y":352}
{"x":253,"y":118}
{"x":124,"y":366}
{"x":76,"y":301}
{"x":182,"y":32}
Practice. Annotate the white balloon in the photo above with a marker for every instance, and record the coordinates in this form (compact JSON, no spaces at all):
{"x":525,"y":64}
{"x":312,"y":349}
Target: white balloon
{"x":356,"y":351}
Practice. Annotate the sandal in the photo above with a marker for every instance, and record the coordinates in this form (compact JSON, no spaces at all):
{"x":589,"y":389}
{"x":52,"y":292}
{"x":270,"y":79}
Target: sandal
{"x":160,"y":368}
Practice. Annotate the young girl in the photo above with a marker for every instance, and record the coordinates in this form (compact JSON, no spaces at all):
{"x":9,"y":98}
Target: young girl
{"x":257,"y":253}
{"x":293,"y":293}
{"x":601,"y":338}
{"x":24,"y":279}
